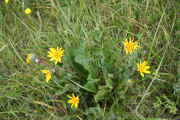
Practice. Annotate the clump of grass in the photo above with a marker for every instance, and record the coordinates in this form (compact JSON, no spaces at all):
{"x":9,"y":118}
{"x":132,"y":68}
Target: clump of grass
{"x":94,"y":65}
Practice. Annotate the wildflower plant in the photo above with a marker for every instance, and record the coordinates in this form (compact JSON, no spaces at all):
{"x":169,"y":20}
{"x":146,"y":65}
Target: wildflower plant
{"x":76,"y":71}
{"x":84,"y":62}
{"x":77,"y":67}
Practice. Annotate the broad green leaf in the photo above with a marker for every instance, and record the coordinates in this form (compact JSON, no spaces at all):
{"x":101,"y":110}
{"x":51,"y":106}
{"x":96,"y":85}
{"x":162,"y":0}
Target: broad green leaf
{"x":178,"y":71}
{"x":91,"y":79}
{"x":109,"y":82}
{"x":96,"y":112}
{"x":70,"y":61}
{"x":177,"y":85}
{"x":80,"y":58}
{"x":102,"y":93}
{"x":90,"y":87}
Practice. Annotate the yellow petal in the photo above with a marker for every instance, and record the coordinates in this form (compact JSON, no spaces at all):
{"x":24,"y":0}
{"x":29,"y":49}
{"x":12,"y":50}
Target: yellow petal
{"x":144,"y":63}
{"x":136,"y":47}
{"x":76,"y":105}
{"x":137,"y":65}
{"x":29,"y":55}
{"x":52,"y":59}
{"x":48,"y":77}
{"x":129,"y":39}
{"x":52,"y":50}
{"x":56,"y":62}
{"x":130,"y":51}
{"x":69,"y":96}
{"x":140,"y":63}
{"x":77,"y":97}
{"x":133,"y":39}
{"x":147,"y":67}
{"x":142,"y":74}
{"x":73,"y":95}
{"x":123,"y":42}
{"x":146,"y":71}
{"x":61,"y":49}
{"x":134,"y":43}
{"x":72,"y":105}
{"x":45,"y":71}
{"x":126,"y":52}
{"x":126,"y":40}
{"x":50,"y":53}
{"x":42,"y":71}
{"x":70,"y":101}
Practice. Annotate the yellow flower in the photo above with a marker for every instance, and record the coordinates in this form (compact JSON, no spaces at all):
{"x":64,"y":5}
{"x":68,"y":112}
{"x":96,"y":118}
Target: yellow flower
{"x":130,"y":46}
{"x":47,"y":75}
{"x":35,"y":111}
{"x":28,"y":59}
{"x":74,"y":100}
{"x":129,"y":81}
{"x":6,"y":1}
{"x":142,"y":68}
{"x":55,"y":54}
{"x":27,"y":10}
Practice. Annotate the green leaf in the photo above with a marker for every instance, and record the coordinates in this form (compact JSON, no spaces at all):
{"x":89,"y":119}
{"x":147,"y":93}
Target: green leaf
{"x":123,"y":77}
{"x":97,"y":112}
{"x":158,"y":112}
{"x":60,"y":92}
{"x":70,"y":61}
{"x":178,"y":71}
{"x":177,"y":85}
{"x":109,"y":82}
{"x":90,"y":87}
{"x":102,"y":93}
{"x":91,"y":79}
{"x":80,"y":58}
{"x":67,"y":87}
{"x":110,"y":116}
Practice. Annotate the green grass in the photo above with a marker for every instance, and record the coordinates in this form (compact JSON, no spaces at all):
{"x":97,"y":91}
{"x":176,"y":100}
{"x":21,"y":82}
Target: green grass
{"x":95,"y":66}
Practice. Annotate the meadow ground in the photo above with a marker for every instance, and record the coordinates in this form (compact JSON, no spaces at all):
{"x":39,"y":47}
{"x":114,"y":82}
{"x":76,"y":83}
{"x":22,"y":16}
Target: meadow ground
{"x":94,"y":65}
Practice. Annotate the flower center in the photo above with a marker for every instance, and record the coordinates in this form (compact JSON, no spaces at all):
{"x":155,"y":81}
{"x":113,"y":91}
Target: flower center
{"x":57,"y":55}
{"x":47,"y":73}
{"x":74,"y":100}
{"x":129,"y":46}
{"x":141,"y":68}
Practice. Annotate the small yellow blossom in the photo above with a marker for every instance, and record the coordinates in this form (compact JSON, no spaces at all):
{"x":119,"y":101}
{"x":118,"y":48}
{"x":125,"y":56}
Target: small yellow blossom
{"x":55,"y":55}
{"x":130,"y":46}
{"x":74,"y":100}
{"x":28,"y":59}
{"x":129,"y":81}
{"x":142,"y":68}
{"x":6,"y":1}
{"x":27,"y":10}
{"x":35,"y":111}
{"x":47,"y":75}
